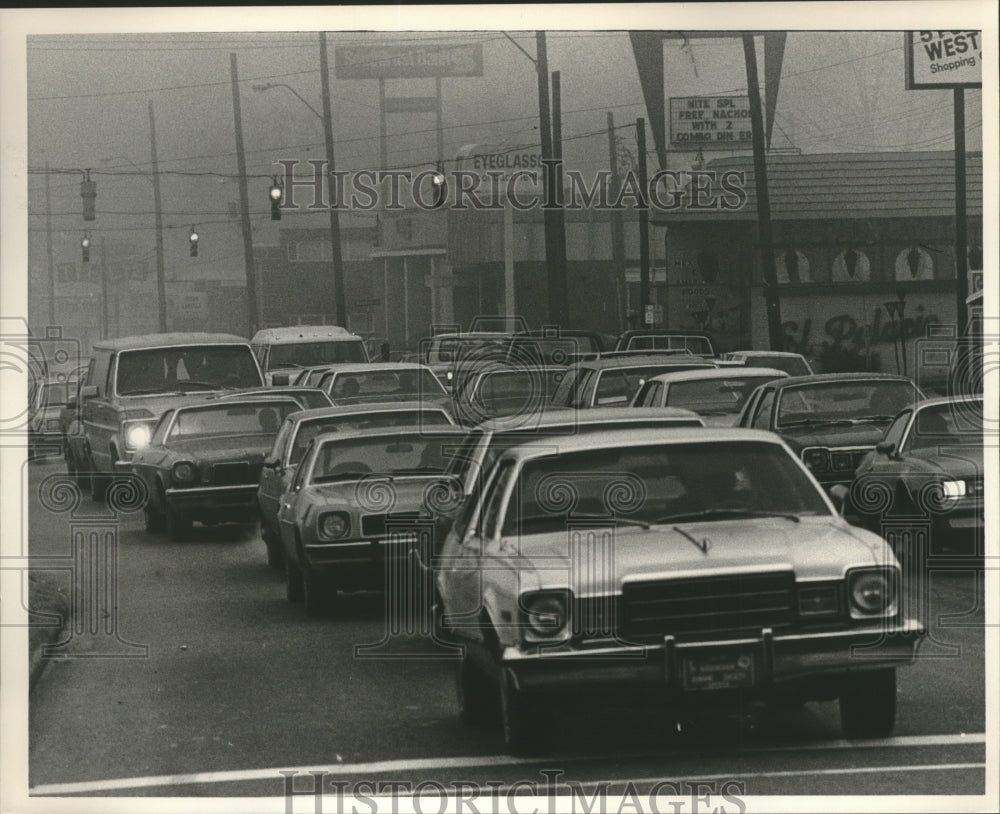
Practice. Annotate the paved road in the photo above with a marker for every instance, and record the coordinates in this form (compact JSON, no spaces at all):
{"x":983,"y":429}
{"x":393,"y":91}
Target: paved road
{"x":236,"y":683}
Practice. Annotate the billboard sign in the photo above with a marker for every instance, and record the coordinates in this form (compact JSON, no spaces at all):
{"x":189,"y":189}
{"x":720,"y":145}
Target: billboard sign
{"x":943,"y":59}
{"x":407,"y":61}
{"x":710,"y":123}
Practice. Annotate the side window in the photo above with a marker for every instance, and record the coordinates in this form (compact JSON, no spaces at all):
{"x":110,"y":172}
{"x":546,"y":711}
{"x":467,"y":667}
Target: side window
{"x":762,"y":413}
{"x":112,"y":365}
{"x":642,"y":397}
{"x":281,"y":441}
{"x":654,"y":396}
{"x":161,"y":428}
{"x":89,"y":378}
{"x":300,"y":473}
{"x":895,"y":431}
{"x":494,"y":498}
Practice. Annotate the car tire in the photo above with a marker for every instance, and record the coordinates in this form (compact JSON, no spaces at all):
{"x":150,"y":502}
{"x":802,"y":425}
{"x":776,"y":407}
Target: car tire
{"x":178,"y":526}
{"x":477,"y":698}
{"x":868,"y":704}
{"x":318,"y":593}
{"x":521,"y":719}
{"x":294,"y":589}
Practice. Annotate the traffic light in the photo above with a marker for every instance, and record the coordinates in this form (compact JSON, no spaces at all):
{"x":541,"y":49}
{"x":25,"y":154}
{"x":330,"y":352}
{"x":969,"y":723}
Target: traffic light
{"x":193,"y":240}
{"x":440,"y":186}
{"x":85,"y":246}
{"x":88,"y":191}
{"x":275,"y":194}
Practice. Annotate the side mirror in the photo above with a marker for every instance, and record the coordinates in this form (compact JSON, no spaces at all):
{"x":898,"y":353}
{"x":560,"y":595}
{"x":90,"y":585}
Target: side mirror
{"x":280,"y":380}
{"x":271,"y":462}
{"x":88,"y":392}
{"x":839,"y":494}
{"x":885,"y":448}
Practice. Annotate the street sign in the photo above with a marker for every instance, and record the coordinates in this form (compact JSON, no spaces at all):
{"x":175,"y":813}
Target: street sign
{"x":943,"y":59}
{"x":407,"y":61}
{"x":653,"y":315}
{"x":710,"y":123}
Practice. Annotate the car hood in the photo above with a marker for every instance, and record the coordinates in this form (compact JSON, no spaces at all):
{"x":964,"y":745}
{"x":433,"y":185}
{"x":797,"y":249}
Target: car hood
{"x":815,"y":547}
{"x":250,"y":448}
{"x":376,"y":494}
{"x":958,"y":461}
{"x":857,"y":435}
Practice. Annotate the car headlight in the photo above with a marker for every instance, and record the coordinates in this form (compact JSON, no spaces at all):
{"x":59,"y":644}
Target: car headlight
{"x":872,"y":592}
{"x":546,"y":616}
{"x":953,"y":488}
{"x":183,"y":472}
{"x":334,"y":525}
{"x":817,"y":460}
{"x":137,"y":436}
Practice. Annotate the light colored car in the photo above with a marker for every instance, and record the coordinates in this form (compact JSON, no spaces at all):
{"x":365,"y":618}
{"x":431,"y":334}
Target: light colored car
{"x":283,"y":351}
{"x":717,"y":395}
{"x":704,"y":566}
{"x":612,"y":381}
{"x":794,"y":364}
{"x":383,"y":381}
{"x":354,"y":502}
{"x":298,"y":431}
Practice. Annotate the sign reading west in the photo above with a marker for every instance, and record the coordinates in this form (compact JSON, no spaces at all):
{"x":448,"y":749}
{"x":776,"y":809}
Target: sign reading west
{"x":944,"y":59}
{"x":407,"y":61}
{"x":710,"y":123}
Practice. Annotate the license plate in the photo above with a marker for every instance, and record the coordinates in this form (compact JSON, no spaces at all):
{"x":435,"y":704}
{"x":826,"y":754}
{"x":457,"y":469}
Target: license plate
{"x":719,"y":671}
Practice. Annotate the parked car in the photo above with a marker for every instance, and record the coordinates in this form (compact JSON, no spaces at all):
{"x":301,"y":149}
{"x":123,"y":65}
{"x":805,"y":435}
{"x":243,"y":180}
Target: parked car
{"x":383,"y":381}
{"x":203,"y":462}
{"x":794,"y":364}
{"x":695,"y":342}
{"x":353,"y":502}
{"x":717,"y":395}
{"x":310,"y":398}
{"x":282,"y":351}
{"x":498,"y":390}
{"x":298,"y":431}
{"x":132,"y":381}
{"x":928,"y":466}
{"x":45,"y":433}
{"x":717,"y":572}
{"x":832,"y":420}
{"x":606,"y":382}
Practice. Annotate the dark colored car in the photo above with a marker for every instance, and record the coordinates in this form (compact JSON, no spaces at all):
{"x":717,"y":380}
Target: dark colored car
{"x":497,"y":391}
{"x":298,"y":432}
{"x":695,"y":342}
{"x":204,"y":461}
{"x":45,"y":433}
{"x":830,"y":420}
{"x":928,"y":466}
{"x":556,"y":347}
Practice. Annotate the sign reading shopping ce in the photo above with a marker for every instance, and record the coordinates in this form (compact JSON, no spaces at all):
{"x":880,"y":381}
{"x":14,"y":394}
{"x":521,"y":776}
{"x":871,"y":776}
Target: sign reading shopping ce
{"x":407,"y":61}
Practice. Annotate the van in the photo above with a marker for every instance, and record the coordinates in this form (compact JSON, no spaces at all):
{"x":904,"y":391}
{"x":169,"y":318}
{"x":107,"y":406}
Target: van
{"x":284,"y":350}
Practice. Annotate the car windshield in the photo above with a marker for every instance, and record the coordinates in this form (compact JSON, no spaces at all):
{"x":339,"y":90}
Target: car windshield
{"x":396,"y":454}
{"x":959,"y":423}
{"x":183,"y":368}
{"x":792,"y":365}
{"x":391,"y":385}
{"x":714,"y":395}
{"x":848,"y":401}
{"x":697,"y":345}
{"x":514,"y":391}
{"x":55,"y":393}
{"x":308,"y":354}
{"x":310,"y":428}
{"x":663,"y":484}
{"x":258,"y":418}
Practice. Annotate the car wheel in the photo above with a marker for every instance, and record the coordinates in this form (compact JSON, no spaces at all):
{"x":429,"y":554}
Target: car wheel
{"x":178,"y":526}
{"x":868,"y":704}
{"x":294,"y":589}
{"x":318,"y":593}
{"x":476,"y":693}
{"x":520,"y":718}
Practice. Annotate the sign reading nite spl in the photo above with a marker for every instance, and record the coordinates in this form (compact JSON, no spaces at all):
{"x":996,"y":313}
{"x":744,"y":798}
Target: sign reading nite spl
{"x":710,"y":122}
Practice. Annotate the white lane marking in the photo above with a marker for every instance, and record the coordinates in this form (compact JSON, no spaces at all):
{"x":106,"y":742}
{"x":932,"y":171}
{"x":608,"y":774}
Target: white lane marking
{"x":407,"y":765}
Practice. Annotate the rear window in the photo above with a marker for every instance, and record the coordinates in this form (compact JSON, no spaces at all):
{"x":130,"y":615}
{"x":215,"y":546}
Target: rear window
{"x":308,"y":354}
{"x":404,"y":418}
{"x":262,"y":418}
{"x":186,"y":368}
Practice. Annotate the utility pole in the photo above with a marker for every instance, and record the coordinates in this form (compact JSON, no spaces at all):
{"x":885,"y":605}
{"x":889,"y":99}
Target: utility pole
{"x":48,"y":248}
{"x":241,"y":163}
{"x":338,"y":260}
{"x":104,"y":292}
{"x":161,"y":277}
{"x":640,"y":141}
{"x":559,"y":274}
{"x":763,"y":200}
{"x":961,"y":222}
{"x":548,"y":208}
{"x":617,"y":224}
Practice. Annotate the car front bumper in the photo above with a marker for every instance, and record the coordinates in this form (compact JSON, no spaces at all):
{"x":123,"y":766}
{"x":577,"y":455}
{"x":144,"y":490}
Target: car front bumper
{"x":233,"y":503}
{"x":365,"y":560}
{"x":775,"y":660}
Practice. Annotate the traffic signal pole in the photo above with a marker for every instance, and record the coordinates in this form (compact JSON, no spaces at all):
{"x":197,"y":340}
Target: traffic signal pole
{"x":253,"y":317}
{"x":161,"y":277}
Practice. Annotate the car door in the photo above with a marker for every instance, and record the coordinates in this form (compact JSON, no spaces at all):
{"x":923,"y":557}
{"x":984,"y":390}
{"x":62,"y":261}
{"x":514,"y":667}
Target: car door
{"x":272,"y":479}
{"x":288,"y":507}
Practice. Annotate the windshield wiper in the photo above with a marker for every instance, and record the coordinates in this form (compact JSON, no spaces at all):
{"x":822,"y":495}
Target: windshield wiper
{"x":618,"y":521}
{"x":867,"y":418}
{"x":707,"y":513}
{"x":826,"y":422}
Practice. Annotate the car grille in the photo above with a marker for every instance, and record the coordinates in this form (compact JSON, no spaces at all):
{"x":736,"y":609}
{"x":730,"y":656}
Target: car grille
{"x":374,"y":525}
{"x":235,"y":474}
{"x":723,"y":606}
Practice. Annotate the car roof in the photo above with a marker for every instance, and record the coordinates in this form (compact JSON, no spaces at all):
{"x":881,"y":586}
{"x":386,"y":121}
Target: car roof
{"x":939,"y":400}
{"x":383,"y":432}
{"x":142,"y":341}
{"x":565,"y":417}
{"x":304,"y":333}
{"x":819,"y":378}
{"x":364,"y":409}
{"x":663,"y":332}
{"x":620,"y":438}
{"x":717,"y":373}
{"x":643,"y":360}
